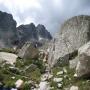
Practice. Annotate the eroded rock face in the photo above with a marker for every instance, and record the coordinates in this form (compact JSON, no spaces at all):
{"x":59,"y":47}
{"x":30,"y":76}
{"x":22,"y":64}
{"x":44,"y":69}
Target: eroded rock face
{"x":83,"y":66}
{"x":8,"y":33}
{"x":28,"y":51}
{"x":74,"y":33}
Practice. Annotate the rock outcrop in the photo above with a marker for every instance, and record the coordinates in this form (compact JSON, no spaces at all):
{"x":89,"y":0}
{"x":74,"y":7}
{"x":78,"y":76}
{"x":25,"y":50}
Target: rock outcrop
{"x":83,"y":66}
{"x":8,"y":33}
{"x":74,"y":33}
{"x":8,"y":57}
{"x":28,"y":51}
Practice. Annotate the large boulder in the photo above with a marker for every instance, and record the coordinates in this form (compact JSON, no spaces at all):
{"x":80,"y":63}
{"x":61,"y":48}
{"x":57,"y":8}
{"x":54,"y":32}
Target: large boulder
{"x":8,"y":57}
{"x":74,"y":33}
{"x":28,"y":51}
{"x":8,"y":33}
{"x":83,"y":66}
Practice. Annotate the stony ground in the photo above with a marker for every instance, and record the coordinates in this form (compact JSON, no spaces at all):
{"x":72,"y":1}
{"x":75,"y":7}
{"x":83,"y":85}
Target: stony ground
{"x":41,"y":78}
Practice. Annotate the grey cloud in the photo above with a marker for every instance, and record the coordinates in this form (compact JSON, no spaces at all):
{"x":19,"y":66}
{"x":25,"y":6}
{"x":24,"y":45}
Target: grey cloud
{"x":53,"y":16}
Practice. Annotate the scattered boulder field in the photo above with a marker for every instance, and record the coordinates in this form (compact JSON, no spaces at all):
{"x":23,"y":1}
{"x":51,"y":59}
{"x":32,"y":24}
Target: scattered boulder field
{"x":30,"y":59}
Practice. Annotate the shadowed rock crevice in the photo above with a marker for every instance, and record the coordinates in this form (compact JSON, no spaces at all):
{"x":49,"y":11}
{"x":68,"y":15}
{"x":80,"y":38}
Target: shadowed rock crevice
{"x":62,"y":61}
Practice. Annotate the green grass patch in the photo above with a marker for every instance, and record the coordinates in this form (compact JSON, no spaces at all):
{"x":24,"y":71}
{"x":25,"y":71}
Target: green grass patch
{"x":70,"y":80}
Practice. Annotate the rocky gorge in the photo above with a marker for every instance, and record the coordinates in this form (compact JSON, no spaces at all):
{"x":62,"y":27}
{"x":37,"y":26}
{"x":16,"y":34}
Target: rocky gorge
{"x":31,"y":59}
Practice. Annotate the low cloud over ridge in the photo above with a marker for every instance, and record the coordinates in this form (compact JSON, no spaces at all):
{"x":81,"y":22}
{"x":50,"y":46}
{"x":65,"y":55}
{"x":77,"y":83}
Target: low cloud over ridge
{"x":51,"y":13}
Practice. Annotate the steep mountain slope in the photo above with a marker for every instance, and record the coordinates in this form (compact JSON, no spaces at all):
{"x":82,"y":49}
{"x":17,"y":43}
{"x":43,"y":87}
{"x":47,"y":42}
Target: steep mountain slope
{"x":8,"y":33}
{"x":11,"y":36}
{"x":27,"y":33}
{"x":31,"y":33}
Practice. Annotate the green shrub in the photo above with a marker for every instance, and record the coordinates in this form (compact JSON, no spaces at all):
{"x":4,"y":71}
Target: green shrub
{"x":34,"y":75}
{"x":40,"y":65}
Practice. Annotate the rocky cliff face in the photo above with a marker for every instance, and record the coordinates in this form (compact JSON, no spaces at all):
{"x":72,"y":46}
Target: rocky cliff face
{"x":74,"y":33}
{"x":32,"y":33}
{"x":43,"y":33}
{"x":8,"y":33}
{"x":27,"y":33}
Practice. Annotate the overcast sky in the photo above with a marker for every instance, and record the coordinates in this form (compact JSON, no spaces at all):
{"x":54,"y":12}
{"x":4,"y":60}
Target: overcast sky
{"x":51,"y":13}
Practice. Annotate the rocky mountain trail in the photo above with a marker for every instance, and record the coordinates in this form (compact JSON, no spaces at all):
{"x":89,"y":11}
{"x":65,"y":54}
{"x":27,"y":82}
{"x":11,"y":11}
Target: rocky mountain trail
{"x":31,"y":59}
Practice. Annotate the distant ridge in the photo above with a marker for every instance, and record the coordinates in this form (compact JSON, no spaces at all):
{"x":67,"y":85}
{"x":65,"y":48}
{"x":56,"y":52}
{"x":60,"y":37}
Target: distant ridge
{"x":11,"y":36}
